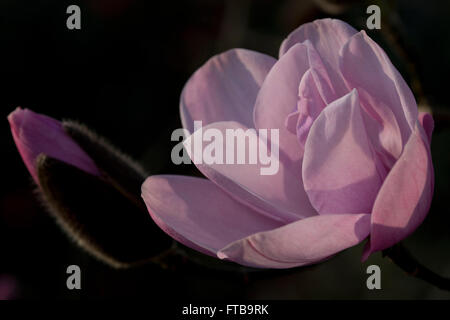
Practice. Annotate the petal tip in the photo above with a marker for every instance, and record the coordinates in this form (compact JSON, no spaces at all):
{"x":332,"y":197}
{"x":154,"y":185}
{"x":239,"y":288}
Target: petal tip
{"x":222,"y":255}
{"x":14,"y":118}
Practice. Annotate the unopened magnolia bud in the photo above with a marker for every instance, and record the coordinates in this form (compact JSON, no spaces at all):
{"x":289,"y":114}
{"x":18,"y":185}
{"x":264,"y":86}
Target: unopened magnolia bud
{"x":91,"y":189}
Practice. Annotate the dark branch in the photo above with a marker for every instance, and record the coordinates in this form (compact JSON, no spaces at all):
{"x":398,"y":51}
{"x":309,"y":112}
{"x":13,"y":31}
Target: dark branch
{"x":403,"y":258}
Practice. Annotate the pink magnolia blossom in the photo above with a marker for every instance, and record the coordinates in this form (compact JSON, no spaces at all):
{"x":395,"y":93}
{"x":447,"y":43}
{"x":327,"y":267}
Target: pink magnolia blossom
{"x":355,"y":157}
{"x":36,"y":134}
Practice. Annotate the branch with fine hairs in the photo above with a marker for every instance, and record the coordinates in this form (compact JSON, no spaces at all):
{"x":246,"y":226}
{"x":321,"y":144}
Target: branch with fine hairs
{"x":403,"y":258}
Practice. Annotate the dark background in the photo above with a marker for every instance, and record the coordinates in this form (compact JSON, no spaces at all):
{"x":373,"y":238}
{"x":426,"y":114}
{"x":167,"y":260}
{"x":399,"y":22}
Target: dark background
{"x":122,"y":75}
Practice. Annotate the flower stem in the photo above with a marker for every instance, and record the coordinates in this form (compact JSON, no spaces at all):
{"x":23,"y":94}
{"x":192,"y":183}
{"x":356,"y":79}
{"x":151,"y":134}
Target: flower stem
{"x":403,"y":258}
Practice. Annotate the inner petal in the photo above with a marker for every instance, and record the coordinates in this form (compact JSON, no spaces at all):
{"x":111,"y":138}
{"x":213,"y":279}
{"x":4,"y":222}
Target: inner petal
{"x":340,"y":169}
{"x":310,"y":105}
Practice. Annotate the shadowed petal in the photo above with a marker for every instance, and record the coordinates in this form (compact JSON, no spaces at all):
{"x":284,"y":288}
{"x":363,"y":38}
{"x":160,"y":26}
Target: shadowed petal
{"x":405,"y":197}
{"x":199,"y":214}
{"x":224,"y":88}
{"x":339,"y":168}
{"x":35,"y":134}
{"x":300,"y":243}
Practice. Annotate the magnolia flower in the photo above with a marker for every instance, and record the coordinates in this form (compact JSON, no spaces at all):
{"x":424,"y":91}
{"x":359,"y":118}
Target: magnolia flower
{"x":355,"y":157}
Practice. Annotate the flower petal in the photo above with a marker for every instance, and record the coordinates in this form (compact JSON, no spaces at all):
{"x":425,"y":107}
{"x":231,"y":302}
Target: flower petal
{"x":310,"y":106}
{"x":405,"y":197}
{"x":225,"y":88}
{"x":339,"y":167}
{"x":197,"y":213}
{"x":278,"y":98}
{"x":300,"y":243}
{"x":35,"y":134}
{"x":277,"y":193}
{"x":383,"y":93}
{"x":327,"y":36}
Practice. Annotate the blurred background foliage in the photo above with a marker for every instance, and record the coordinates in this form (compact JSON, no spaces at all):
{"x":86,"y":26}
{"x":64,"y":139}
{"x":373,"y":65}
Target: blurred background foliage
{"x":122,"y":75}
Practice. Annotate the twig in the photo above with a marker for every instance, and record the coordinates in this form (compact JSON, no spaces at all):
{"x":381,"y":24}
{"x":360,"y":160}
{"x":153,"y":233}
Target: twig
{"x":403,"y":258}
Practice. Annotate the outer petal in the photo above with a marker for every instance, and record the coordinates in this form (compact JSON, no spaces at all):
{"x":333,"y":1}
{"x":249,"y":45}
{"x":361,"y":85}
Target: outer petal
{"x":35,"y":134}
{"x":300,"y":243}
{"x":339,"y":167}
{"x":225,"y":88}
{"x":328,"y":36}
{"x":197,"y":213}
{"x":405,"y":197}
{"x":279,"y":194}
{"x":383,"y":93}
